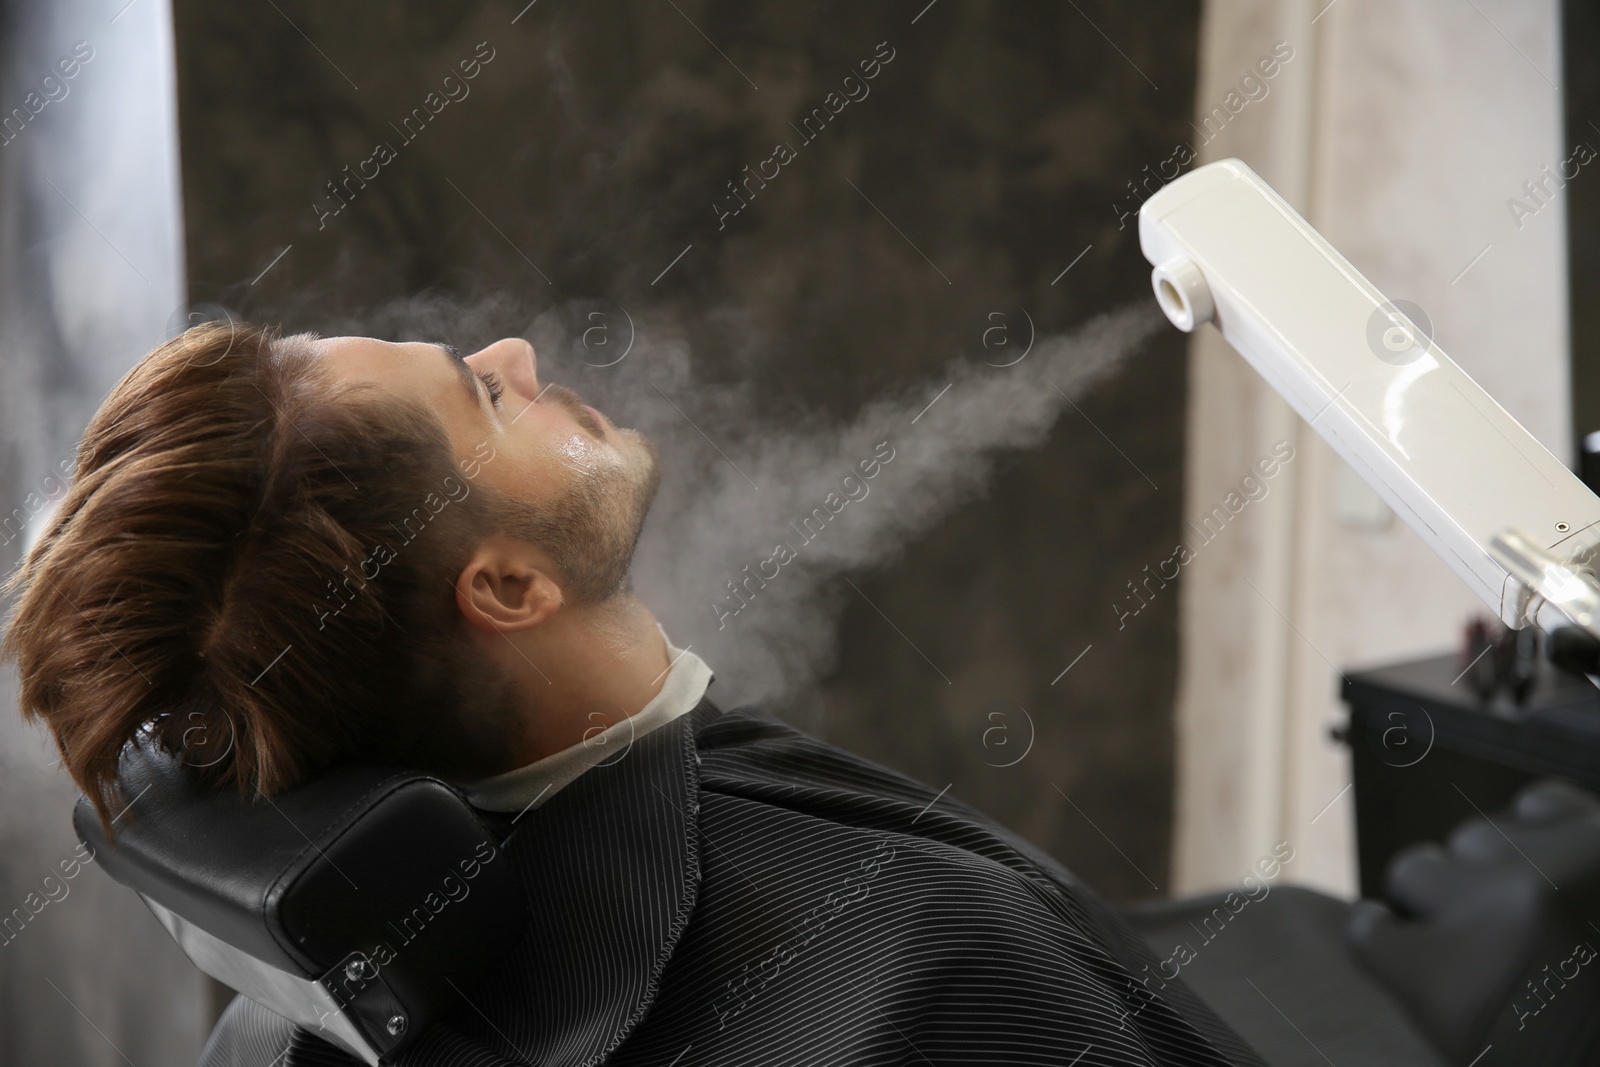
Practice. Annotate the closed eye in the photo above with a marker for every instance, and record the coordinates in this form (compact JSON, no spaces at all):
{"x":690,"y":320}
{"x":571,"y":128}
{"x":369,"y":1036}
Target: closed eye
{"x":491,"y":382}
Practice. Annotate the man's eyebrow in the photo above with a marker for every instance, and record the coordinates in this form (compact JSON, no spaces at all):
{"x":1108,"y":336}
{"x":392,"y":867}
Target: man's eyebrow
{"x":468,"y":379}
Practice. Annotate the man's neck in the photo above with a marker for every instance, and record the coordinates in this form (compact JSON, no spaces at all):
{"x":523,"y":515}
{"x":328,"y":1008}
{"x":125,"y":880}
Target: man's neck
{"x":587,"y":668}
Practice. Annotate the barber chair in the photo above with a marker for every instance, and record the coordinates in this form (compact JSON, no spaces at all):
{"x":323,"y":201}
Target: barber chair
{"x":357,"y":906}
{"x":352,"y":907}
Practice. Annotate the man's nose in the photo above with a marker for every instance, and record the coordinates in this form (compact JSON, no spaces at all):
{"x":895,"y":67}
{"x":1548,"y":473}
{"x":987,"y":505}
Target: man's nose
{"x":513,"y":361}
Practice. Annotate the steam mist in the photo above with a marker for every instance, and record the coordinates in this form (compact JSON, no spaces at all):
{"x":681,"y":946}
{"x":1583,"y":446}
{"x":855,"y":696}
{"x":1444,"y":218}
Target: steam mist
{"x":735,"y":485}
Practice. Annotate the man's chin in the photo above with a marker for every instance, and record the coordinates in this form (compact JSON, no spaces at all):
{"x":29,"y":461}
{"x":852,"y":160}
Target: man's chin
{"x":637,"y":447}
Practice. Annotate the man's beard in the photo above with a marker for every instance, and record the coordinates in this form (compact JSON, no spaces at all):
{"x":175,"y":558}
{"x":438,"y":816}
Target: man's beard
{"x":593,"y":527}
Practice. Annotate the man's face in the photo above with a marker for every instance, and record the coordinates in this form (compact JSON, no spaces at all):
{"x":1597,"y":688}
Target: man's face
{"x":578,"y":480}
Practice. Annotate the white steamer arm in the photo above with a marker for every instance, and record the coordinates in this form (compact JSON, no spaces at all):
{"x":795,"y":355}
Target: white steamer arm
{"x":1507,"y":516}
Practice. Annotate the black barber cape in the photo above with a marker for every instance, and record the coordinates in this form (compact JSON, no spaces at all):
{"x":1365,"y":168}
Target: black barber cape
{"x":729,"y":891}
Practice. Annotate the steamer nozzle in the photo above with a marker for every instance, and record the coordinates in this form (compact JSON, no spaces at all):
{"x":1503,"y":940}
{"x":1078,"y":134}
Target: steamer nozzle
{"x":1507,"y":516}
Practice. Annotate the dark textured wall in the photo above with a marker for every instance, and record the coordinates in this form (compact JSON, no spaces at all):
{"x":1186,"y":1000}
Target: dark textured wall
{"x":597,"y":144}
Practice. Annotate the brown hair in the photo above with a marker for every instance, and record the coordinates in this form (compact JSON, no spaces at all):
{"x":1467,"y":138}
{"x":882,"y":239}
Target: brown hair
{"x":254,"y":569}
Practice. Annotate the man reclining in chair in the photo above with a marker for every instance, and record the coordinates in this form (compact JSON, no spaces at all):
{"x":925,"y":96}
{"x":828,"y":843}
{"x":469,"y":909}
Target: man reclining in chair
{"x":282,"y":553}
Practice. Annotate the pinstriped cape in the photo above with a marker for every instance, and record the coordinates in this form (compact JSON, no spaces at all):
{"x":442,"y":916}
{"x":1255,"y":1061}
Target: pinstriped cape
{"x":731,"y":891}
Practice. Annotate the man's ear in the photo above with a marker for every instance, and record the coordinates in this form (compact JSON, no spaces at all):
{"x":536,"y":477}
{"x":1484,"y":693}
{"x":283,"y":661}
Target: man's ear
{"x":507,"y":585}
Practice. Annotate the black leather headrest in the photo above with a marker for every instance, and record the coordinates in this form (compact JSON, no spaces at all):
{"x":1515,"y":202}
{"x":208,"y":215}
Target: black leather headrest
{"x":348,"y":905}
